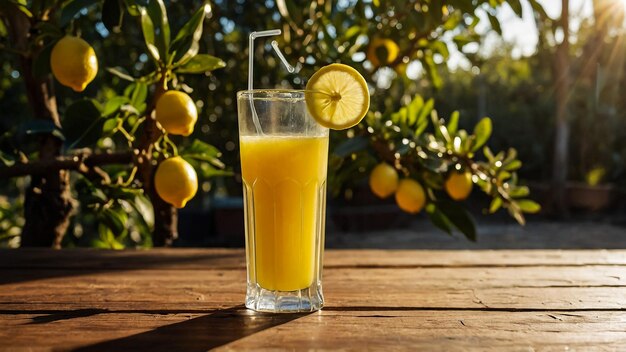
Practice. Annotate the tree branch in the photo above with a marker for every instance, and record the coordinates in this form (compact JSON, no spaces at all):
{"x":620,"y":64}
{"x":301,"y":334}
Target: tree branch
{"x":71,"y":162}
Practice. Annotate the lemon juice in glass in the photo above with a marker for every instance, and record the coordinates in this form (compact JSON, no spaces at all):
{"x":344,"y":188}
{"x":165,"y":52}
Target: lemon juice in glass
{"x":284,"y":168}
{"x":283,"y":141}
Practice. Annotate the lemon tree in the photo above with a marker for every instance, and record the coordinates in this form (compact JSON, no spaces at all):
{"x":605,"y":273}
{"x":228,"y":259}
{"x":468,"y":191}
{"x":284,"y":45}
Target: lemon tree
{"x":128,"y":146}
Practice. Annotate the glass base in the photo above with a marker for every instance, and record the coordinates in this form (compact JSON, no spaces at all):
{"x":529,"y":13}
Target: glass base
{"x":306,"y":300}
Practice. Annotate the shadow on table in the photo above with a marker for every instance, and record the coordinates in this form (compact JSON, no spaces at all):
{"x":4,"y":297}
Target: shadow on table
{"x":23,"y":265}
{"x":198,"y":334}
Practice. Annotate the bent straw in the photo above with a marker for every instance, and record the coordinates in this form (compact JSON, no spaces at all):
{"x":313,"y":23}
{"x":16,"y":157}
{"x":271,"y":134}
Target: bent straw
{"x":251,"y":38}
{"x":289,"y":68}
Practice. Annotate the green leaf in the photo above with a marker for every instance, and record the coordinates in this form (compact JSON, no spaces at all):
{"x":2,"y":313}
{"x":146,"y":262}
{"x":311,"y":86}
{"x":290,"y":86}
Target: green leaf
{"x":201,"y":63}
{"x":132,"y":6}
{"x":206,"y":170}
{"x":72,"y":8}
{"x":157,"y":13}
{"x":137,"y":93}
{"x":441,"y":48}
{"x":513,"y":165}
{"x":112,"y":14}
{"x":459,"y":217}
{"x":413,"y":109}
{"x":351,"y":145}
{"x":427,"y":108}
{"x":199,"y":150}
{"x":538,"y":9}
{"x":431,"y":69}
{"x":148,"y":29}
{"x":488,"y":154}
{"x":439,"y":219}
{"x":462,"y":40}
{"x":516,"y":6}
{"x":109,"y":125}
{"x":113,"y":105}
{"x":453,"y":124}
{"x":521,"y":191}
{"x":186,"y":44}
{"x":114,"y":218}
{"x":482,"y":131}
{"x":121,"y":73}
{"x":516,"y":213}
{"x":495,"y":24}
{"x":80,"y":122}
{"x":496,"y":203}
{"x":351,"y":32}
{"x":528,"y":206}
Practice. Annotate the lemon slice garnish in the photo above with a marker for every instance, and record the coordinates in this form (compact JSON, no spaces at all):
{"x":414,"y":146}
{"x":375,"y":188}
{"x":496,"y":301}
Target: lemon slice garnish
{"x":337,"y":96}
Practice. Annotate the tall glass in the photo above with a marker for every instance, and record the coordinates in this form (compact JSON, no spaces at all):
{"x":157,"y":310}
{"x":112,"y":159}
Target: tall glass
{"x":284,"y":157}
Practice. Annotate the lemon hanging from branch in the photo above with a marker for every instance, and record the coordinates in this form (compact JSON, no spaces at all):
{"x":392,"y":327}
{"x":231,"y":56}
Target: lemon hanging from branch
{"x":410,"y":196}
{"x":73,"y":62}
{"x":383,"y":180}
{"x":459,"y":185}
{"x":176,"y":112}
{"x":175,"y":181}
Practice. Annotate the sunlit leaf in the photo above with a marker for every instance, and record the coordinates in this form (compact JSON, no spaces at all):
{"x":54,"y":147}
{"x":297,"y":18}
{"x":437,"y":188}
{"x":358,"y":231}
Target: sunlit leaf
{"x":186,"y":43}
{"x":482,"y":131}
{"x":453,"y":124}
{"x":496,"y":203}
{"x":201,"y":63}
{"x":121,"y":73}
{"x":528,"y":206}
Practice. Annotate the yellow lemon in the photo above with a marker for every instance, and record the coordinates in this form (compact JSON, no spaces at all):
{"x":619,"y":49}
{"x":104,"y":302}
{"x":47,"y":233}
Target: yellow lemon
{"x":337,"y":96}
{"x":176,"y":181}
{"x":73,"y":62}
{"x":410,"y":196}
{"x":459,"y":185}
{"x":383,"y":180}
{"x":386,"y":48}
{"x":176,"y":112}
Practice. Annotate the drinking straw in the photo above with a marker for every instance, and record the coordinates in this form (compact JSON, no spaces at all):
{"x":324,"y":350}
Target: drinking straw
{"x":252,"y":37}
{"x":290,"y":69}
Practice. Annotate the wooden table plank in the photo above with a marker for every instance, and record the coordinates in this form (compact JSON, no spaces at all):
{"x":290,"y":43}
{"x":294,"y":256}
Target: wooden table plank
{"x":330,"y":329}
{"x":192,"y":300}
{"x":597,"y":287}
{"x":192,"y":258}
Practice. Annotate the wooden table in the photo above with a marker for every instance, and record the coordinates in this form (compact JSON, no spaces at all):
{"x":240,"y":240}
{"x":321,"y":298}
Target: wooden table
{"x":191,"y":299}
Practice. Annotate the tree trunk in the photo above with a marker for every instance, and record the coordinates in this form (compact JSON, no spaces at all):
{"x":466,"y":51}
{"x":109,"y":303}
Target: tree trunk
{"x":561,"y":141}
{"x":48,"y":203}
{"x":165,"y":215}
